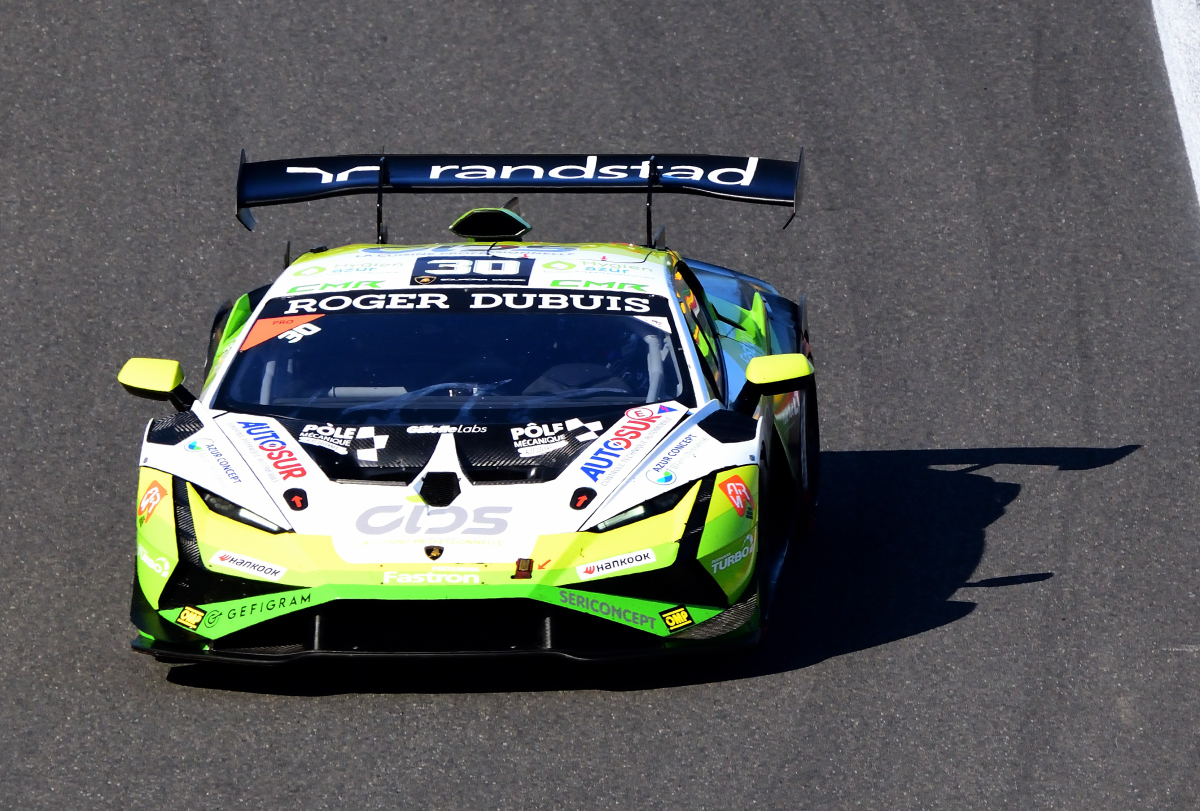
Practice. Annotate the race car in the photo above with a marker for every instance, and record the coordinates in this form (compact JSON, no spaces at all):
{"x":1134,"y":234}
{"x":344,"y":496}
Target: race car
{"x":483,"y":447}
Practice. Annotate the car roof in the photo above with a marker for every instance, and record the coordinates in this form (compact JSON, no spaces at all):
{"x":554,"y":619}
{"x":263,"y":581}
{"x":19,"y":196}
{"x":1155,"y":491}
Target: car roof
{"x":591,"y":266}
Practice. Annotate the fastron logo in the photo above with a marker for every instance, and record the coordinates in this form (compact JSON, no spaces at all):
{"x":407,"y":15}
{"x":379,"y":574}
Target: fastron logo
{"x":616,"y":564}
{"x":241,"y":563}
{"x":432,"y":578}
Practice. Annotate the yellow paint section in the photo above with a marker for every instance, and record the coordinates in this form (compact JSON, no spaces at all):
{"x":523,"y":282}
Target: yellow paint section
{"x":766,"y":369}
{"x":156,"y":552}
{"x":151,"y":374}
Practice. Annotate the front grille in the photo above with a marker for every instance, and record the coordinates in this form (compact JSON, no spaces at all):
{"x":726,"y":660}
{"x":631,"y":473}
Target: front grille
{"x":438,"y":626}
{"x":440,"y":489}
{"x":185,"y":528}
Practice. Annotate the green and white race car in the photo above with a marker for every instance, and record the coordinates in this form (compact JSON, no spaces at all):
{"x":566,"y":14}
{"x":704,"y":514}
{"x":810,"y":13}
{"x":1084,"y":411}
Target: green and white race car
{"x":482,"y":447}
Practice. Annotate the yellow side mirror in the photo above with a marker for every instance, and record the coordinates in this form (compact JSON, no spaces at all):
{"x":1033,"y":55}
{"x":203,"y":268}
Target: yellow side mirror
{"x":772,"y":374}
{"x":156,"y":379}
{"x":778,"y":372}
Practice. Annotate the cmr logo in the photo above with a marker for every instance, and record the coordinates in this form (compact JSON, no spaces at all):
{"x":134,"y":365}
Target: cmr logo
{"x":471,"y":270}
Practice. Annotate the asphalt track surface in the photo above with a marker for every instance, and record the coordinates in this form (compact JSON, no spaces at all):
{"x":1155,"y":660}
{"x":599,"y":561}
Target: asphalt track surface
{"x":999,"y":242}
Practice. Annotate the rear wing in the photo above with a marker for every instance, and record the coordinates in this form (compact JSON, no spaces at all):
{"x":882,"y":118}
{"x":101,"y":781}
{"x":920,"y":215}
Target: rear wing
{"x":750,"y":180}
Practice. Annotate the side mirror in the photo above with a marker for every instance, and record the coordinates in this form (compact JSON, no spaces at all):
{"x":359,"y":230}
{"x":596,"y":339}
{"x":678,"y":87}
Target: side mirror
{"x":156,"y":379}
{"x":772,"y":374}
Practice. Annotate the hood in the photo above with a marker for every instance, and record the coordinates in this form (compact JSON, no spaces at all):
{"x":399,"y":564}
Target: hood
{"x":369,"y":490}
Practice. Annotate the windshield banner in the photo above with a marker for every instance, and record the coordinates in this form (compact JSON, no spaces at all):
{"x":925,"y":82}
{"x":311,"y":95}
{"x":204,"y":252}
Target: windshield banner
{"x":475,"y":300}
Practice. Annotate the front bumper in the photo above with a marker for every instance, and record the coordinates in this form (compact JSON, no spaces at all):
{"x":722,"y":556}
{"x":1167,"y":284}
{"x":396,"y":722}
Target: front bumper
{"x":366,"y":628}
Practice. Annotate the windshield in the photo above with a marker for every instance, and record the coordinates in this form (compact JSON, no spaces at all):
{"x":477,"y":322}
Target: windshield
{"x":482,"y":354}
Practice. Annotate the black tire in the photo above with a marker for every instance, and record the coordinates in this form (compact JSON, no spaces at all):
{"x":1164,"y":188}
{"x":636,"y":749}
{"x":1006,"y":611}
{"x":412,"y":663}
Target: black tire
{"x":809,"y":464}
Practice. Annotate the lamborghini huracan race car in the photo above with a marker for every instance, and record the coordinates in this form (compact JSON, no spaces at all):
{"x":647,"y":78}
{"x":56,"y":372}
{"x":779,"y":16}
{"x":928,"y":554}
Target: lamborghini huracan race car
{"x":488,"y":446}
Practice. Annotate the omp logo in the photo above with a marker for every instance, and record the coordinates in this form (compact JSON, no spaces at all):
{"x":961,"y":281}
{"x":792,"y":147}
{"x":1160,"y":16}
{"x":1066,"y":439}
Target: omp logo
{"x":160,"y":566}
{"x":725,"y":176}
{"x":738,"y":494}
{"x":423,"y":520}
{"x":431,"y":578}
{"x":150,"y":499}
{"x":615,"y":564}
{"x":676,"y":618}
{"x":241,"y":563}
{"x":329,"y":177}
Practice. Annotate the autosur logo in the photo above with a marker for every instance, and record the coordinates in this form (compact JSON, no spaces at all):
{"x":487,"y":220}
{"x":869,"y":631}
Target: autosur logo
{"x":638,"y":421}
{"x":738,"y":494}
{"x":275,"y":449}
{"x":150,"y":499}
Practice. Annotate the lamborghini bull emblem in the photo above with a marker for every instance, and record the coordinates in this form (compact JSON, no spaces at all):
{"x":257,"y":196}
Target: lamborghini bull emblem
{"x":434,"y":552}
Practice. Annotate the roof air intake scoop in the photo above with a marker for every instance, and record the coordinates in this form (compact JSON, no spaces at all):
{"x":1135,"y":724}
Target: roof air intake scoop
{"x":492,"y":224}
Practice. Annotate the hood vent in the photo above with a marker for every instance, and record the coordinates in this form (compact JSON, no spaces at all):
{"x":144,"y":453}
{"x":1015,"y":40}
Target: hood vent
{"x":439,"y":489}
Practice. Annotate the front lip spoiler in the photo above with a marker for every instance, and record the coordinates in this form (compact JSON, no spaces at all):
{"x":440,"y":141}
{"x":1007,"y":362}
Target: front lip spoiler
{"x":178,"y":654}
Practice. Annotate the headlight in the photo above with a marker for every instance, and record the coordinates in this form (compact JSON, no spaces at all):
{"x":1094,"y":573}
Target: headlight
{"x":655,"y":506}
{"x":225,"y":507}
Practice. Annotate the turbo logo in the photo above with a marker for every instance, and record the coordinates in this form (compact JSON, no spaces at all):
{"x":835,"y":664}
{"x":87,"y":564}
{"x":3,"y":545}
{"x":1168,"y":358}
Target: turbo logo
{"x":275,"y":448}
{"x":733,"y":558}
{"x":160,"y":566}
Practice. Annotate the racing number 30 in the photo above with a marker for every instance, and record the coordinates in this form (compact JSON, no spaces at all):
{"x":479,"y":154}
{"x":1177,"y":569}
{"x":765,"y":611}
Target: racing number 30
{"x":465,"y":267}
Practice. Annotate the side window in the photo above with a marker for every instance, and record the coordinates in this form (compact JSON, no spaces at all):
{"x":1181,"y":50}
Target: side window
{"x":701,"y":331}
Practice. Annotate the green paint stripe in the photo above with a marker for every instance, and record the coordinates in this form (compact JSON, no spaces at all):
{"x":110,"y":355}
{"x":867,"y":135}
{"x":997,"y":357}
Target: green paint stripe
{"x":221,"y":619}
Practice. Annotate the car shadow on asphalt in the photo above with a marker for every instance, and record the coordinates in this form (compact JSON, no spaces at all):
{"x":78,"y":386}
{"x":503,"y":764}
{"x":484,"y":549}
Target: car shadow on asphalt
{"x":898,"y":534}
